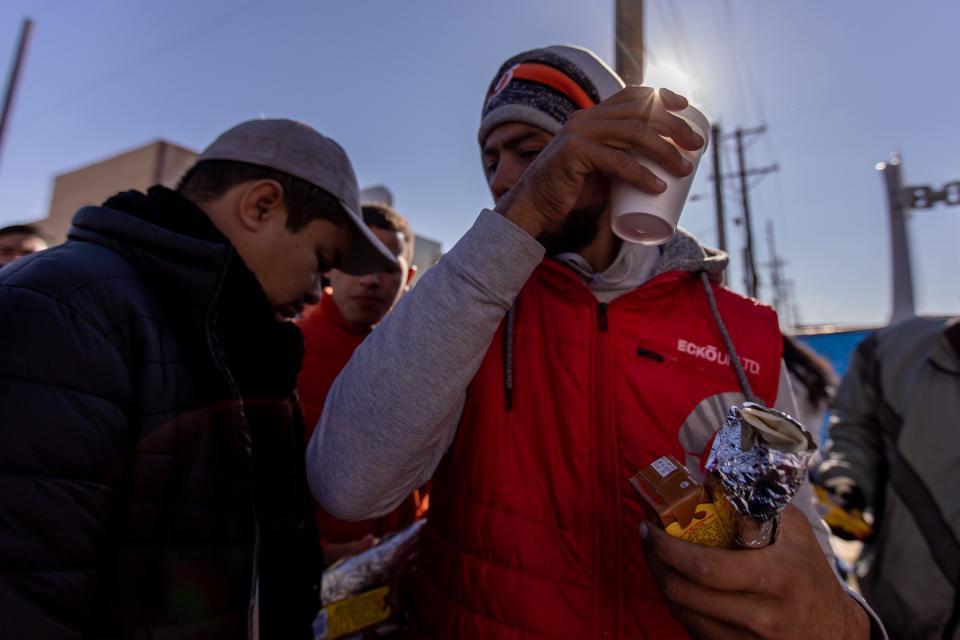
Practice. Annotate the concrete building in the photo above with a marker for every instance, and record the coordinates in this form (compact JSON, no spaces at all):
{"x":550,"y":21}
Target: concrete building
{"x":159,"y":162}
{"x":426,"y":252}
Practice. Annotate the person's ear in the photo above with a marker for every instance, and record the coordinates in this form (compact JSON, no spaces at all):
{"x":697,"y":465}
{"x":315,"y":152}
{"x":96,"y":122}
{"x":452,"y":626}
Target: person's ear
{"x":261,"y":200}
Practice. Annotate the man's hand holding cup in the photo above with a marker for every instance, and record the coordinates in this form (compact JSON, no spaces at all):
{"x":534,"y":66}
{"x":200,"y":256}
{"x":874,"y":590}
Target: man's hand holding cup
{"x":598,"y":143}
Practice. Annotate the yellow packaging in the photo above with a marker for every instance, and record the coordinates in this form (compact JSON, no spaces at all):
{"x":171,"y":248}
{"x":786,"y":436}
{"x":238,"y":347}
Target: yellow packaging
{"x":850,"y":523}
{"x":352,"y":614}
{"x":683,"y":507}
{"x":706,"y":529}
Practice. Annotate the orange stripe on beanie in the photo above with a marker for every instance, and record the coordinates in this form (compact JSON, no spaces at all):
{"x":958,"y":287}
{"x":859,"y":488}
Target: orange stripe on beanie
{"x":542,"y":87}
{"x":554,"y":79}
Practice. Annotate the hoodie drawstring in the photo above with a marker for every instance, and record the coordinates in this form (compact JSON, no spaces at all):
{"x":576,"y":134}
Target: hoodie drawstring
{"x":727,"y":340}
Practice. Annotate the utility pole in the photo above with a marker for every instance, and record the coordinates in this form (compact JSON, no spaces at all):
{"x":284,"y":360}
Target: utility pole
{"x":26,"y":28}
{"x":718,"y":189}
{"x":628,"y":42}
{"x":792,"y":309}
{"x":776,"y":275}
{"x":750,"y":277}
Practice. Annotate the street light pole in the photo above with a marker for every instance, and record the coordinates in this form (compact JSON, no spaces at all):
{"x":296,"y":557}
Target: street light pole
{"x":903,"y":304}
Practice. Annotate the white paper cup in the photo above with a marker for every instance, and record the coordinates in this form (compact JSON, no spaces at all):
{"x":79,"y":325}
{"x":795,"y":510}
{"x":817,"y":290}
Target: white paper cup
{"x":651,"y":219}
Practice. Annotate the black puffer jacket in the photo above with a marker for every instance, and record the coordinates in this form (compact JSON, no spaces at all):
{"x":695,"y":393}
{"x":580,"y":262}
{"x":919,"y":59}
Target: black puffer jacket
{"x":151,"y":451}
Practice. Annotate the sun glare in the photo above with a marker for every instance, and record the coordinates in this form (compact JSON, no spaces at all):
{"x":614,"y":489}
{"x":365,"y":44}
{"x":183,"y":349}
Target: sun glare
{"x":672,"y":77}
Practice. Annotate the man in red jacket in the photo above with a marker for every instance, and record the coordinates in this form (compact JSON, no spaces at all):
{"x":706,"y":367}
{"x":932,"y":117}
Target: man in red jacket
{"x":332,"y":330}
{"x":533,"y":389}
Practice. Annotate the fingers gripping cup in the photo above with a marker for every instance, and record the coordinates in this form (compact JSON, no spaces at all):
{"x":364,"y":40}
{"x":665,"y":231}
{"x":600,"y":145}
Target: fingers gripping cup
{"x":648,"y":218}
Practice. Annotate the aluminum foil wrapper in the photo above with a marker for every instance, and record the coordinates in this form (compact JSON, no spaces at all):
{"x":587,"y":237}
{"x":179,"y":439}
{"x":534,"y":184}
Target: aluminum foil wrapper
{"x":757,"y":464}
{"x":356,"y":574}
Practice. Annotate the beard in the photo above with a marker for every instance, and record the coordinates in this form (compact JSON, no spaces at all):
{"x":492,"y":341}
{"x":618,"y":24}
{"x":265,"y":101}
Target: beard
{"x":576,"y":231}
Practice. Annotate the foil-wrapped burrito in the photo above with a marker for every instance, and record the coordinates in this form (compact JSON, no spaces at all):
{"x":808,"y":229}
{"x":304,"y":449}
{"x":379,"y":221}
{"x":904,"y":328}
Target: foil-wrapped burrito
{"x":757,"y":464}
{"x":358,"y":573}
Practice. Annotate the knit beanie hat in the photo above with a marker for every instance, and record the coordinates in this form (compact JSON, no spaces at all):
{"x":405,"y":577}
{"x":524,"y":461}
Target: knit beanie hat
{"x":543,"y":87}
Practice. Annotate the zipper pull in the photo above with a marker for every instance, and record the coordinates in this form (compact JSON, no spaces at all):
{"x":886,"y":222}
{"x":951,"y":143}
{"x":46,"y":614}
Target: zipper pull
{"x":603,"y":316}
{"x":646,"y":353}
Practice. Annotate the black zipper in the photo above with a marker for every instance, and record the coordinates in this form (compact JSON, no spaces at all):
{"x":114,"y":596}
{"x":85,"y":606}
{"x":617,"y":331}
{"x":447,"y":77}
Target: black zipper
{"x":243,"y":445}
{"x":608,"y":517}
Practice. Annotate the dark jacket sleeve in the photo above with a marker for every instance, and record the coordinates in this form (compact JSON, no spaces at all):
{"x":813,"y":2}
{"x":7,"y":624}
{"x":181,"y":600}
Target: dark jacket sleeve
{"x":855,"y":447}
{"x":64,"y":406}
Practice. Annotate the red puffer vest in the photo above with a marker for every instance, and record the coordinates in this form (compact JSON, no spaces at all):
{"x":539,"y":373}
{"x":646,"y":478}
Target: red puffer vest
{"x":533,"y":531}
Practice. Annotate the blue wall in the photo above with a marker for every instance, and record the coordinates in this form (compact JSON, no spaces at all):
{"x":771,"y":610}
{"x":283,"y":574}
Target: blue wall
{"x":836,"y":347}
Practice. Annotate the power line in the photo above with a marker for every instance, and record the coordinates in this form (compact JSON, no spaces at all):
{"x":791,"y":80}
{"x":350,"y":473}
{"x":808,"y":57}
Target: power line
{"x":733,"y":27}
{"x":681,"y":37}
{"x":664,"y":26}
{"x":164,"y":48}
{"x":25,"y":29}
{"x":751,"y":277}
{"x":699,"y":233}
{"x":742,"y":73}
{"x":776,"y":265}
{"x":745,"y":66}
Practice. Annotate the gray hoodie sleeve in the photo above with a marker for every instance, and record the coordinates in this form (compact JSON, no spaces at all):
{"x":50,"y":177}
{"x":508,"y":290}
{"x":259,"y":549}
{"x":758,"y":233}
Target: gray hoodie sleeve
{"x":805,"y":500}
{"x":393,"y":411}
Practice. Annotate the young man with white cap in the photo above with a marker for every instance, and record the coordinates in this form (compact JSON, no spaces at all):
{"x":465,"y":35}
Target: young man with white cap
{"x":535,"y":389}
{"x":153,"y":481}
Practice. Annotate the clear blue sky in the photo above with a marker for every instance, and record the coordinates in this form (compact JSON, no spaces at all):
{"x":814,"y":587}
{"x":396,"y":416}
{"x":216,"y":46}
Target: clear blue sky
{"x":400,"y":85}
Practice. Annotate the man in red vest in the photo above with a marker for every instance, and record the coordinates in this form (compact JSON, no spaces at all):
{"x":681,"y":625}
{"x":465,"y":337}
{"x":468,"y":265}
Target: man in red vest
{"x":332,"y":330}
{"x":533,"y":389}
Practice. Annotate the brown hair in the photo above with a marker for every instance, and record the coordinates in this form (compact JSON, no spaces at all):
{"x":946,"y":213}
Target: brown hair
{"x":382,"y":216}
{"x":210,"y":179}
{"x":23,"y":229}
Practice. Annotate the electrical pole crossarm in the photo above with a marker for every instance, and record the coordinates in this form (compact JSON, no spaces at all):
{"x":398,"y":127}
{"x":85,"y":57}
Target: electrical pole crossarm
{"x":746,"y":132}
{"x":753,"y":172}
